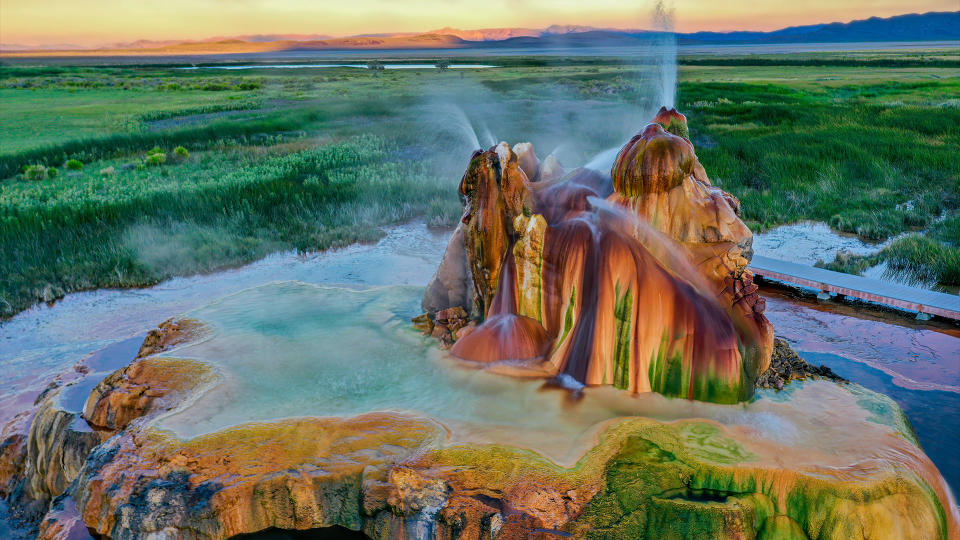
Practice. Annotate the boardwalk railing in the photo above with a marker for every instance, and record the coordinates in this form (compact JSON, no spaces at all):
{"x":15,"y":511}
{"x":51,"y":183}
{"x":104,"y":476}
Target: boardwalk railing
{"x":922,"y":301}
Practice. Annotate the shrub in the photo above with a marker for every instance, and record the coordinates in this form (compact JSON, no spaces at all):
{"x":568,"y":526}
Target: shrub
{"x":74,"y":164}
{"x":156,"y":159}
{"x":52,"y":172}
{"x":35,"y":172}
{"x":181,"y":152}
{"x":107,"y":171}
{"x":154,"y":150}
{"x":849,"y":263}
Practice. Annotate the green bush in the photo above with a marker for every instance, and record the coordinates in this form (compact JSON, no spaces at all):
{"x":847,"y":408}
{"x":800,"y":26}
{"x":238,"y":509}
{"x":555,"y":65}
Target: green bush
{"x":109,"y":145}
{"x":74,"y":164}
{"x":181,"y":152}
{"x":156,"y":159}
{"x":52,"y":172}
{"x":35,"y":172}
{"x":154,"y":150}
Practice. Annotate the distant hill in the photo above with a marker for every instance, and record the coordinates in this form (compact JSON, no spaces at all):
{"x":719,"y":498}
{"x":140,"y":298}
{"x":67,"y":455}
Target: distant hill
{"x":936,"y":26}
{"x":939,"y":26}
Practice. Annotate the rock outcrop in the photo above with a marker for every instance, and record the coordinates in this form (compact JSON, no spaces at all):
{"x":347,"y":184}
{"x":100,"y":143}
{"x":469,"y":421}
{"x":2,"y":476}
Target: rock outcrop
{"x":452,"y":285}
{"x":43,"y":449}
{"x":786,"y":365}
{"x":138,"y":389}
{"x":392,"y":476}
{"x":647,"y":290}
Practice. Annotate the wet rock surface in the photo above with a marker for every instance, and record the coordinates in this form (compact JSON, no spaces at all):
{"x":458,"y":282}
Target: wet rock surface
{"x":398,"y":475}
{"x":391,"y":477}
{"x":169,"y":334}
{"x":63,"y":522}
{"x":43,"y":449}
{"x":446,"y":326}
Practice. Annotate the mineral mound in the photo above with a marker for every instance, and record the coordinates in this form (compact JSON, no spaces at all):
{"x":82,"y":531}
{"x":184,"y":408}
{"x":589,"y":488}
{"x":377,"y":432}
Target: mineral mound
{"x":637,"y":278}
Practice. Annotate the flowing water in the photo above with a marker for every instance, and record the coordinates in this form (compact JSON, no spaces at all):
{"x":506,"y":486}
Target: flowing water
{"x":917,"y":365}
{"x":293,"y":349}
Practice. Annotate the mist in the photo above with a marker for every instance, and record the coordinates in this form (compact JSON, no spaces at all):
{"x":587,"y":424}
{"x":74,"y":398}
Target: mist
{"x":571,"y":116}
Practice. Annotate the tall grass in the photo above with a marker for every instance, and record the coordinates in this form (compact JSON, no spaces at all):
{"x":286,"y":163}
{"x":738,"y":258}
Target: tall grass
{"x":864,"y":168}
{"x":755,"y":61}
{"x":874,"y":158}
{"x":114,"y":144}
{"x":142,"y":226}
{"x":913,"y":258}
{"x":922,"y":259}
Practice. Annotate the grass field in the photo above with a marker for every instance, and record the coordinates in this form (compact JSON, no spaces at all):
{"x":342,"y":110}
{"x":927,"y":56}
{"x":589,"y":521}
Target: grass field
{"x":311,"y":158}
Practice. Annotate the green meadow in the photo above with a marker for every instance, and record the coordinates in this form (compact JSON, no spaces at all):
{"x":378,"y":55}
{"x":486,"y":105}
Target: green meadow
{"x":127,"y":175}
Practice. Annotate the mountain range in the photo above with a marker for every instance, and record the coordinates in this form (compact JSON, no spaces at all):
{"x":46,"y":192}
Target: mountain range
{"x":934,"y":26}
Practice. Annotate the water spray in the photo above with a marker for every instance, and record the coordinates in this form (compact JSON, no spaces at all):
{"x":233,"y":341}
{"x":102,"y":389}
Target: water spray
{"x":665,"y":54}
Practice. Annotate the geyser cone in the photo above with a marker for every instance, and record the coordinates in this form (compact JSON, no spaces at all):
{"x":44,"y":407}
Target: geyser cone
{"x":673,"y":121}
{"x":646,"y":290}
{"x":654,"y":161}
{"x":658,"y":177}
{"x":496,"y":191}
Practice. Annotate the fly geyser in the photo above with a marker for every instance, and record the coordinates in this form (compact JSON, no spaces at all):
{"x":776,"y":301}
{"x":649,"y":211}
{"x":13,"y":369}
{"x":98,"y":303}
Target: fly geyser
{"x":299,"y":406}
{"x":635,"y":278}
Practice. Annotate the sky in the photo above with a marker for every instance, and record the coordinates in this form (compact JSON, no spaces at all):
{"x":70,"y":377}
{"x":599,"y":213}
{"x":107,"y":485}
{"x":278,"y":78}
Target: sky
{"x":100,"y":22}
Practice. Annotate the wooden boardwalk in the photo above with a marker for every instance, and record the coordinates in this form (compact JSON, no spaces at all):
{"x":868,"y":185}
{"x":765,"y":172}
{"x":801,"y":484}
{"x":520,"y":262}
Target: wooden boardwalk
{"x":901,"y":296}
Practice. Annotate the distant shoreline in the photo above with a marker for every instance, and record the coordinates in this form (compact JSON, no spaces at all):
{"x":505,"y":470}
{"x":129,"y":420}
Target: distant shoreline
{"x":136,"y":56}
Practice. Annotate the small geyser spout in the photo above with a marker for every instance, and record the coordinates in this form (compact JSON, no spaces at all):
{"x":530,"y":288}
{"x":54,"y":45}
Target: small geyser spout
{"x":635,"y":279}
{"x":665,"y":53}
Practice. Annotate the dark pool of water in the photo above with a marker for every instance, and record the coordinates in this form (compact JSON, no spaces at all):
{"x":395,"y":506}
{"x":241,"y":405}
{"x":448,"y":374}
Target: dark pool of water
{"x":935,"y":414}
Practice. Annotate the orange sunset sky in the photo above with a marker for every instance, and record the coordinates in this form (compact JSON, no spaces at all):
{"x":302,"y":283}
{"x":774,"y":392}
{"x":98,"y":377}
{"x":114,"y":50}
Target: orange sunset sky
{"x":98,"y":22}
